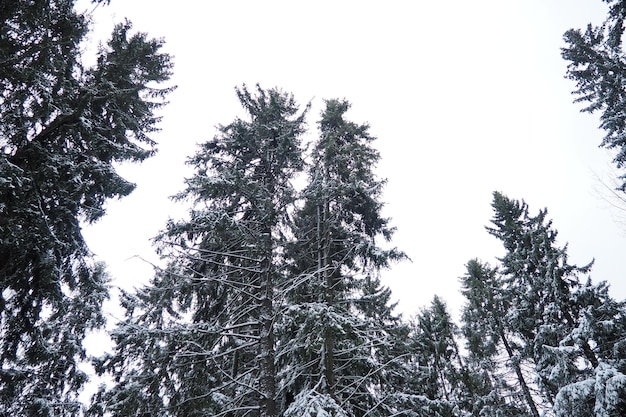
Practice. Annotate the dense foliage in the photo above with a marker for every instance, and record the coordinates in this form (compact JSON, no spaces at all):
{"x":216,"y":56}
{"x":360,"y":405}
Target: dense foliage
{"x":598,"y":65}
{"x":270,"y":303}
{"x":271,"y":297}
{"x":63,"y":128}
{"x":338,"y":308}
{"x":210,"y":316}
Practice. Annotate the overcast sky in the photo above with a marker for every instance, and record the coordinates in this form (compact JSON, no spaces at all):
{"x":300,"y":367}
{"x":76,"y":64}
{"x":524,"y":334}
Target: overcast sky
{"x":465,"y":97}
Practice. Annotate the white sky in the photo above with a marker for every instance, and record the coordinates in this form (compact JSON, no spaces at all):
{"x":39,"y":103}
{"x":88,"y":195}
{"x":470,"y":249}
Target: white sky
{"x":465,"y":97}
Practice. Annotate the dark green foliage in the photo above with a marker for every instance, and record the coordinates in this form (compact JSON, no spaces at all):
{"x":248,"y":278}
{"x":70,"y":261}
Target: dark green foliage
{"x":598,"y":65}
{"x":338,"y":323}
{"x":63,"y":127}
{"x":488,"y":374}
{"x":199,"y":340}
{"x":484,"y":308}
{"x":435,"y":341}
{"x":539,"y":285}
{"x":251,"y":264}
{"x":525,"y":309}
{"x":162,"y":366}
{"x":435,"y":376}
{"x":601,"y":324}
{"x":560,"y":337}
{"x":602,"y":320}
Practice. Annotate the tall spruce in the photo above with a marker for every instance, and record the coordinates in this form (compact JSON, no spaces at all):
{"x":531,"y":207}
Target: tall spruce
{"x":598,"y":66}
{"x":64,"y":127}
{"x":338,"y":318}
{"x":540,"y":286}
{"x":199,"y":340}
{"x":553,"y":329}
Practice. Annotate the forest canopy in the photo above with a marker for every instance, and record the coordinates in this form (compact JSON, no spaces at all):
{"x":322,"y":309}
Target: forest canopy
{"x":268,"y":300}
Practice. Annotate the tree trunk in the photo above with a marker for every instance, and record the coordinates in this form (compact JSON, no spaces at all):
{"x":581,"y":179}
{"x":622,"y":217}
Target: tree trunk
{"x":323,"y":264}
{"x":267,"y":379}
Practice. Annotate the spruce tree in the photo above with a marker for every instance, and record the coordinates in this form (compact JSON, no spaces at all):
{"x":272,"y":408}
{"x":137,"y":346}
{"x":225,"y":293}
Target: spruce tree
{"x":199,"y":340}
{"x":436,"y":381}
{"x":64,"y":127}
{"x":496,"y":381}
{"x":540,"y":283}
{"x":339,"y":318}
{"x":600,"y":390}
{"x":598,"y":66}
{"x":565,"y":334}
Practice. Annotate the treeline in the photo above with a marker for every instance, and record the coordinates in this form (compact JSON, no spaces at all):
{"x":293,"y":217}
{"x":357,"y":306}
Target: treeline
{"x":270,"y":301}
{"x":271,"y":304}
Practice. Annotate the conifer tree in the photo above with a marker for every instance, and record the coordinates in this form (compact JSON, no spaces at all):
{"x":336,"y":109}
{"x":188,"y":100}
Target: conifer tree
{"x":540,"y":283}
{"x":64,"y":127}
{"x":339,"y":317}
{"x":547,"y":321}
{"x":598,"y":66}
{"x":602,"y":389}
{"x":437,"y":380}
{"x":496,"y":381}
{"x":199,"y":340}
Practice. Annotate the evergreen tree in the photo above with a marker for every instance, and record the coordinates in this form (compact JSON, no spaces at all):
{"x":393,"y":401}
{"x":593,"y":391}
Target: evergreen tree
{"x":63,"y":129}
{"x":436,"y":384}
{"x":599,"y":391}
{"x":436,"y":341}
{"x":598,"y":65}
{"x":564,"y":333}
{"x":199,"y":340}
{"x":491,"y":354}
{"x":539,"y":284}
{"x":339,"y":318}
